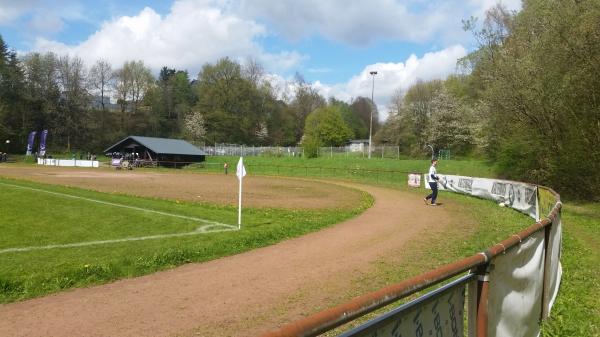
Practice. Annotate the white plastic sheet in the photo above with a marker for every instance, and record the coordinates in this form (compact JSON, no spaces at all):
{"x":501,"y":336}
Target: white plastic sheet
{"x":519,"y":196}
{"x":553,"y":266}
{"x":515,"y":290}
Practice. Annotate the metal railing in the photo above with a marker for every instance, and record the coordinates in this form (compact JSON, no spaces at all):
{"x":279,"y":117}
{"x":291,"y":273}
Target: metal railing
{"x":378,"y":151}
{"x":477,"y":264}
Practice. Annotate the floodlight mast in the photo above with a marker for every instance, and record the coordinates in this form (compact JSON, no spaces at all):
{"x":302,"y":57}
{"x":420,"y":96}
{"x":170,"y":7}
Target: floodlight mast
{"x":373,"y":73}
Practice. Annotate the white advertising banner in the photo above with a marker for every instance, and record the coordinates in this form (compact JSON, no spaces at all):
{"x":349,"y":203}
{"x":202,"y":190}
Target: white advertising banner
{"x":414,"y":180}
{"x":519,"y":196}
{"x":435,"y":314}
{"x":68,"y":162}
{"x":515,"y":290}
{"x":553,"y":267}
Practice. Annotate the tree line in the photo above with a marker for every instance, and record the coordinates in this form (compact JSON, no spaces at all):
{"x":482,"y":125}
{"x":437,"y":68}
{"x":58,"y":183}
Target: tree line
{"x":89,"y":109}
{"x":528,"y":99}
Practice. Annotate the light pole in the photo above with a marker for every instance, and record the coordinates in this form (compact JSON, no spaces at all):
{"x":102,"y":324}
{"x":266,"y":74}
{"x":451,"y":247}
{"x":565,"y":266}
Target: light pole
{"x":373,"y":73}
{"x":432,"y":152}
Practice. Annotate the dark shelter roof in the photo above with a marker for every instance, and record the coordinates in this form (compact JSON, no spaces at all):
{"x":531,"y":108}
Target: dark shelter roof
{"x":160,"y":146}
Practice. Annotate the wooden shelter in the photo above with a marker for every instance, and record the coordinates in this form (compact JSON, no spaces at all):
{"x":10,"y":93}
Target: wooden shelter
{"x":158,"y":151}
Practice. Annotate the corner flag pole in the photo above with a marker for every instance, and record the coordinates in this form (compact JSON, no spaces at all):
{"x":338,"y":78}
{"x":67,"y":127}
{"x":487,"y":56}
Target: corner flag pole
{"x":240,"y":207}
{"x":240,"y":172}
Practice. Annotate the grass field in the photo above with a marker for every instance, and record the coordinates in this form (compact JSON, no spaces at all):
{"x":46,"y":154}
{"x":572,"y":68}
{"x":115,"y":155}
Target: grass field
{"x":577,"y":309}
{"x":270,"y":164}
{"x":385,"y":172}
{"x":32,"y":218}
{"x":576,"y":312}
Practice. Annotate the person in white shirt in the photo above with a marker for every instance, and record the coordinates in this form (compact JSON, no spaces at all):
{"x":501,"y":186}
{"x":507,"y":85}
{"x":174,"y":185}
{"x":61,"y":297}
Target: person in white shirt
{"x":432,"y":179}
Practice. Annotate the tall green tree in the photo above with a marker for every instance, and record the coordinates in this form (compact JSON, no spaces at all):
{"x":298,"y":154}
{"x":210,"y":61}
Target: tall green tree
{"x":132,"y":83}
{"x":327,"y":127}
{"x":69,"y":122}
{"x":410,"y":117}
{"x":14,"y":117}
{"x":232,"y":106}
{"x":538,"y":71}
{"x":352,"y":119}
{"x":362,"y":108}
{"x":306,"y":99}
{"x":450,"y":124}
{"x":172,"y":100}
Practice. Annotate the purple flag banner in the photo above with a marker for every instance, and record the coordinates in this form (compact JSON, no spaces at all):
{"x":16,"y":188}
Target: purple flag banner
{"x":43,"y":142}
{"x":30,"y":141}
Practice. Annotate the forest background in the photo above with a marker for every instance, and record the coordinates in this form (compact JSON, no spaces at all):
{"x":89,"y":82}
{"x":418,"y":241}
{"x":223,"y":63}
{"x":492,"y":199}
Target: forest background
{"x":527,"y":100}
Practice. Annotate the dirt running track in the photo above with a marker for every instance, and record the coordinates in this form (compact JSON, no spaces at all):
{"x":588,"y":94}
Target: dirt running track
{"x":242,"y":295}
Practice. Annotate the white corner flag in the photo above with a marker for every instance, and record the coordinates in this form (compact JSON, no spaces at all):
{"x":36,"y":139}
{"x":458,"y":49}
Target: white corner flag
{"x":240,"y":173}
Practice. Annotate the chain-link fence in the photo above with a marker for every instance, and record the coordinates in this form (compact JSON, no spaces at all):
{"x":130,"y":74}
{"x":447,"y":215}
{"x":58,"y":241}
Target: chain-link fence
{"x":379,"y":151}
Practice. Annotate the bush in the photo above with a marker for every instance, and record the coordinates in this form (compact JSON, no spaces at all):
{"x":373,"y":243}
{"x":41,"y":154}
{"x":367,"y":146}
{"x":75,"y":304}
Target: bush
{"x":311,"y":147}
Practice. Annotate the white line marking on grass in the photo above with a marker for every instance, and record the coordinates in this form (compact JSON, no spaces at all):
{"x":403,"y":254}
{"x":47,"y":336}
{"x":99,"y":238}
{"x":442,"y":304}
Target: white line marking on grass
{"x":199,"y":230}
{"x":208,"y":228}
{"x":118,"y":205}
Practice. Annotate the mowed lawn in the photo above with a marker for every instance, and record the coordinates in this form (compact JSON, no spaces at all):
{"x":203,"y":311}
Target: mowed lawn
{"x":32,"y":218}
{"x":386,"y":171}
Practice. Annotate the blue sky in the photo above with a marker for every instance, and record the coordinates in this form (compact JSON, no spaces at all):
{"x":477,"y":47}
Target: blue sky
{"x":333,"y":44}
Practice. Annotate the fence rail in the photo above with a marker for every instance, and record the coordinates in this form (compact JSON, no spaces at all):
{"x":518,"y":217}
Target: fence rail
{"x":357,"y":173}
{"x":380,"y":151}
{"x":479,"y":297}
{"x":484,"y":303}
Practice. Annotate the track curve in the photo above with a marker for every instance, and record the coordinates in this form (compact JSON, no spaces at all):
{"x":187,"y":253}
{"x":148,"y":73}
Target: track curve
{"x":241,"y":295}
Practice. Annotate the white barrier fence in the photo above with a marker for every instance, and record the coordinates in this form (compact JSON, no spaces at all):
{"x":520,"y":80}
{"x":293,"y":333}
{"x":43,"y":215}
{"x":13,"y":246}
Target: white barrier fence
{"x":524,"y":281}
{"x":510,"y":287}
{"x":516,"y":195}
{"x":68,"y":162}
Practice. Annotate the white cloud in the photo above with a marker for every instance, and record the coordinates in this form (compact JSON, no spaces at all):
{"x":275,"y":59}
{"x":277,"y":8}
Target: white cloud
{"x":393,"y":76}
{"x":322,"y":70}
{"x":353,"y":22}
{"x":41,"y":18}
{"x":46,"y":23}
{"x":193,"y":33}
{"x":481,"y":6}
{"x":360,"y":23}
{"x":11,"y":10}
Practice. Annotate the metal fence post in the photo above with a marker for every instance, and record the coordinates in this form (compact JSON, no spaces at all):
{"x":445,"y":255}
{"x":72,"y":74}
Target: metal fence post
{"x":483,"y":284}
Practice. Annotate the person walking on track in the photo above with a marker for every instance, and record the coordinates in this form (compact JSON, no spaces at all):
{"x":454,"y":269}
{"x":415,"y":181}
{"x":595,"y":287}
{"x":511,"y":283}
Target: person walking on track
{"x":432,"y":179}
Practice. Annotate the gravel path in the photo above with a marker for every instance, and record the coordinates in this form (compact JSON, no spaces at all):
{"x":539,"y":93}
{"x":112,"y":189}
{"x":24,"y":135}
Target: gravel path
{"x":241,"y":295}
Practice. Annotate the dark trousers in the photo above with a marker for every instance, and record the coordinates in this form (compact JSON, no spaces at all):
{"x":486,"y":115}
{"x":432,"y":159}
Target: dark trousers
{"x":434,"y":190}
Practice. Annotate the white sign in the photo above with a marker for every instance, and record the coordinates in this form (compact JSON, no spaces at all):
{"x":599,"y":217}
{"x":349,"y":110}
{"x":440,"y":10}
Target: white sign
{"x":439,"y":315}
{"x":519,"y":196}
{"x":414,"y":180}
{"x":68,"y":162}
